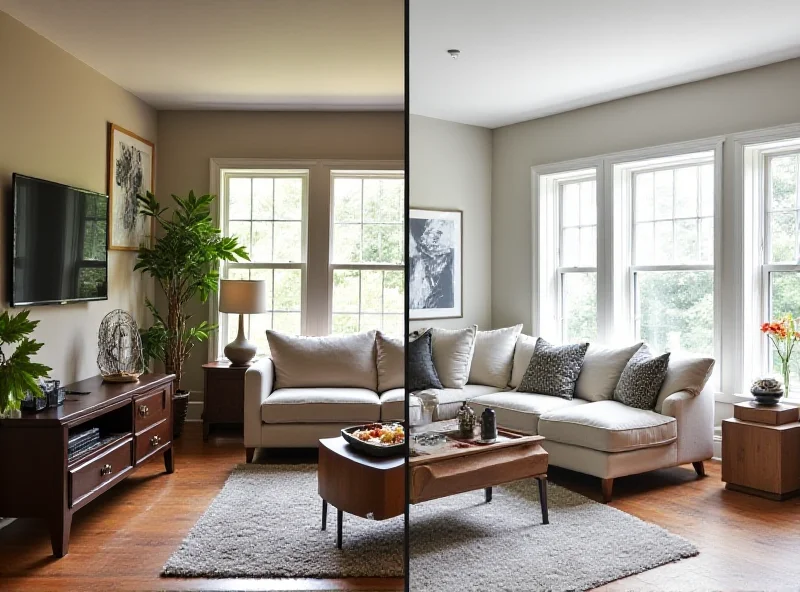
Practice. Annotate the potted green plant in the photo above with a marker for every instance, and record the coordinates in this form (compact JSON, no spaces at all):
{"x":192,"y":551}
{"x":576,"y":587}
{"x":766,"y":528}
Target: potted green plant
{"x":184,"y":261}
{"x":18,"y":374}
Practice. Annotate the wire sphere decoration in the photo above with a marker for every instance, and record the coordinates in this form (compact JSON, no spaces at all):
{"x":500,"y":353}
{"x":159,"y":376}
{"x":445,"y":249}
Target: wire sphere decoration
{"x":119,"y":346}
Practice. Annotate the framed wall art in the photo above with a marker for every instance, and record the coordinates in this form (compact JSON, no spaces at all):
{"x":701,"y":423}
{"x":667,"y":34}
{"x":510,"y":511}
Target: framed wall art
{"x":434,"y":266}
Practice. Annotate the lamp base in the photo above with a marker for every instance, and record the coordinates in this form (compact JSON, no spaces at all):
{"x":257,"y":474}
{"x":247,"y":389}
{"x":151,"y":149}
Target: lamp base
{"x":240,"y":352}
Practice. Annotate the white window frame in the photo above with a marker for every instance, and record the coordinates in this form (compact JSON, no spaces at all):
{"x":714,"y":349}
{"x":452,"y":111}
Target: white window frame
{"x":332,"y":266}
{"x":752,"y":153}
{"x":218,"y":338}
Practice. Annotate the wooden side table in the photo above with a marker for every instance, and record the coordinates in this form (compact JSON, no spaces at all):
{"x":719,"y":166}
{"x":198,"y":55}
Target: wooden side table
{"x":223,"y":395}
{"x":760,"y":450}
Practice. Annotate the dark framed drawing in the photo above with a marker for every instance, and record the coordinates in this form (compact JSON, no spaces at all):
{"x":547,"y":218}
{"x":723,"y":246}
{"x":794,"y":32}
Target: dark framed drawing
{"x":435,"y":264}
{"x":130,"y":173}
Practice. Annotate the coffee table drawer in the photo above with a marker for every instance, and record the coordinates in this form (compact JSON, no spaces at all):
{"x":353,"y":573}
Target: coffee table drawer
{"x":151,"y":408}
{"x":459,"y":474}
{"x":152,"y":440}
{"x":101,"y":472}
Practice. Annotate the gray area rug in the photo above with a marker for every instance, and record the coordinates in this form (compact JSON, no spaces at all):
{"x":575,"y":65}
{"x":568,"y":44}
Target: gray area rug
{"x":266,"y":523}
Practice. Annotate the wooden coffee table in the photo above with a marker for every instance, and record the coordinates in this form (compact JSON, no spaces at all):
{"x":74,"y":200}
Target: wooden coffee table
{"x":372,"y":487}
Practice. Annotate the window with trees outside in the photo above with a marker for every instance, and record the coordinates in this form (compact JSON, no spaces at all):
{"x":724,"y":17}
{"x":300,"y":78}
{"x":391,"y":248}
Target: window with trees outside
{"x":672,"y":255}
{"x":265,"y":210}
{"x":367,"y":252}
{"x":576,"y":266}
{"x":781,"y":245}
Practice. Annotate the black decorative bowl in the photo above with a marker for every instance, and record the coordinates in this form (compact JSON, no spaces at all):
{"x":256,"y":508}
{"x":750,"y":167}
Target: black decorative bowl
{"x":371,"y":449}
{"x":766,"y":397}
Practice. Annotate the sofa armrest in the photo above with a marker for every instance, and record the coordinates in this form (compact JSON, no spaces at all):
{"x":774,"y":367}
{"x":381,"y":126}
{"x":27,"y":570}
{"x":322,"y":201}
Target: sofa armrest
{"x":695,"y":418}
{"x":258,"y":381}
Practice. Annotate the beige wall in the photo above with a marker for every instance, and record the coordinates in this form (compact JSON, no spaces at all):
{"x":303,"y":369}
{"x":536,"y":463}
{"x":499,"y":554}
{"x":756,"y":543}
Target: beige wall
{"x":450,"y":168}
{"x":188,"y":140}
{"x":752,"y":99}
{"x":53,"y":124}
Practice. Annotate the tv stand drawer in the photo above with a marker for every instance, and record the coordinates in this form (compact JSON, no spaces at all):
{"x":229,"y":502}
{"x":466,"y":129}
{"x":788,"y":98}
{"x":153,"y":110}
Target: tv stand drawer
{"x":97,"y":475}
{"x":151,"y":408}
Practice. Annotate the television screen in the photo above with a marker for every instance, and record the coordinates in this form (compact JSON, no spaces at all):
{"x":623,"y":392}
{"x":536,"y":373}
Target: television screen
{"x":60,"y":243}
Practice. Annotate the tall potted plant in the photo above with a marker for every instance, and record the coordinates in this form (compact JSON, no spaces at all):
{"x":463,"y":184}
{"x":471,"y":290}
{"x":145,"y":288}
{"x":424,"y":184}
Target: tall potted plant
{"x":18,"y":374}
{"x":184,"y":261}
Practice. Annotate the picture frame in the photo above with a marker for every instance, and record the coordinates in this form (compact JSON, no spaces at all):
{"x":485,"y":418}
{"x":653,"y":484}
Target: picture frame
{"x":131,"y":172}
{"x":435,"y":264}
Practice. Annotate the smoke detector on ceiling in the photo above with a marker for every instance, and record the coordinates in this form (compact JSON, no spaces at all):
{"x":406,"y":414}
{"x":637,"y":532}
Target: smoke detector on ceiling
{"x":454,"y":53}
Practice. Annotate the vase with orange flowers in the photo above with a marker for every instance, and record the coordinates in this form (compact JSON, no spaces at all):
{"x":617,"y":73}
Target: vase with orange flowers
{"x":783,"y":335}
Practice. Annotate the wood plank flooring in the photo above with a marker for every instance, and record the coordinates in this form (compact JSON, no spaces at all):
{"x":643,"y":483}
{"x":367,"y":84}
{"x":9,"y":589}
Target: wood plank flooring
{"x":121,"y":541}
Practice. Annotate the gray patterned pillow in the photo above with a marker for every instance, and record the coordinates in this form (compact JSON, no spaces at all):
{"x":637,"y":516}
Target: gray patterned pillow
{"x":553,"y":369}
{"x":641,"y":380}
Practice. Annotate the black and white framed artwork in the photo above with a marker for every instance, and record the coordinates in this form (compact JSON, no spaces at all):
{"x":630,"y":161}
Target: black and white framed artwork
{"x":434,"y":264}
{"x":130,"y":173}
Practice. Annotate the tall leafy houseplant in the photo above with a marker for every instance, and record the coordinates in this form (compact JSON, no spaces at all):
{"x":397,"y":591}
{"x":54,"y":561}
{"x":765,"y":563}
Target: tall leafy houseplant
{"x":18,"y":374}
{"x":184,"y":261}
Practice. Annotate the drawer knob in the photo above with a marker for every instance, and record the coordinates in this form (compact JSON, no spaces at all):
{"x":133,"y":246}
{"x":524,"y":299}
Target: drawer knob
{"x":155,"y":441}
{"x":144,"y":410}
{"x":105,"y":470}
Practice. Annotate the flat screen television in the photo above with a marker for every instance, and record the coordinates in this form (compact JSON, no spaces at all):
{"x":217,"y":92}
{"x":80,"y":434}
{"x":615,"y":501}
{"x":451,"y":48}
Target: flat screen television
{"x":59,"y":247}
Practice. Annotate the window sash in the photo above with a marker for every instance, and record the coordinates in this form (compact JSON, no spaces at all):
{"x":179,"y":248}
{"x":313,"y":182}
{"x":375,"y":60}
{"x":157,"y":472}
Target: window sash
{"x":562,"y":272}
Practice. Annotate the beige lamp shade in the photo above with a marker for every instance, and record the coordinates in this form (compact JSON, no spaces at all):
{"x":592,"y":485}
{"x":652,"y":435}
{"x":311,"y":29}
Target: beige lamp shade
{"x":243,"y":296}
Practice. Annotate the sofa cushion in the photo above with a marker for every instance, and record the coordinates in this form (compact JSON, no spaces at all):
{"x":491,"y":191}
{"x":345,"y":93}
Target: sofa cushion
{"x":641,"y":380}
{"x":553,"y":369}
{"x":321,"y":405}
{"x":494,"y":356}
{"x":523,"y":350}
{"x":393,"y":405}
{"x":608,"y":426}
{"x":341,"y":361}
{"x":685,"y":374}
{"x":421,"y":370}
{"x":452,"y":354}
{"x":391,"y":361}
{"x":602,"y":367}
{"x":521,"y":411}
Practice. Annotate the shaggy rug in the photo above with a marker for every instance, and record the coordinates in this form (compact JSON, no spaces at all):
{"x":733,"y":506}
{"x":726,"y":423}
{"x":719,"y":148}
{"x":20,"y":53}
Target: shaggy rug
{"x":266,"y":523}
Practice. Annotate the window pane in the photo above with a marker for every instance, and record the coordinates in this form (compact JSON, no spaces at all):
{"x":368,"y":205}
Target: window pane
{"x":686,"y":192}
{"x":238,"y":274}
{"x":346,"y":289}
{"x":238,"y":198}
{"x":286,"y":322}
{"x":588,"y":203}
{"x":288,"y":199}
{"x":784,"y":299}
{"x":707,"y":240}
{"x":783,"y":237}
{"x":388,"y":196}
{"x":259,"y":323}
{"x":262,"y":199}
{"x":643,"y":191}
{"x":392,"y":245}
{"x":362,"y":299}
{"x":570,"y":247}
{"x":371,"y":246}
{"x":570,"y":204}
{"x":394,"y":325}
{"x":663,"y":194}
{"x":588,"y":246}
{"x":241,"y":230}
{"x":261,"y":249}
{"x":345,"y":323}
{"x":579,"y":306}
{"x":687,"y":249}
{"x":393,"y":291}
{"x":663,"y":245}
{"x":287,"y":290}
{"x":645,"y":238}
{"x":372,"y":200}
{"x":371,"y":291}
{"x":707,"y":190}
{"x":783,"y":182}
{"x":288,"y":242}
{"x":346,"y":200}
{"x":675,"y":310}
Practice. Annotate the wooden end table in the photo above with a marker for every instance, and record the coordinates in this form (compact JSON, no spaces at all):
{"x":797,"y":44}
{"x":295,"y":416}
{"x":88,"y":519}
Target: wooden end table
{"x":223,"y":395}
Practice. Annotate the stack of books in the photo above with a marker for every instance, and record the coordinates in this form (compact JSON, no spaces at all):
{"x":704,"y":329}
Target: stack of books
{"x":82,"y":441}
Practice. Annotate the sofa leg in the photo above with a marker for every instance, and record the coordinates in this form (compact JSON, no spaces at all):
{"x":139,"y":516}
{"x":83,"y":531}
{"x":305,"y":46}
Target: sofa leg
{"x":249,"y":453}
{"x":607,"y":485}
{"x":699,"y":468}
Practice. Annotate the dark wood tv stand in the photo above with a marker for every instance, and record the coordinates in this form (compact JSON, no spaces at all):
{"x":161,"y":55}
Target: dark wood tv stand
{"x":40,"y":480}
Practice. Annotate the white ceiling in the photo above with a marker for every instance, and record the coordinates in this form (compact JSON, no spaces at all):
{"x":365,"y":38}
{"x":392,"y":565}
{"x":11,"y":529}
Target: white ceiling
{"x":523,"y":59}
{"x":234,"y":54}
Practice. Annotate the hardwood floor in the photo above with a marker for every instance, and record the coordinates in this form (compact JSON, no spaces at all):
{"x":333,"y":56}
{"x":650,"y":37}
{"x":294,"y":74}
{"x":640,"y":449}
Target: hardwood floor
{"x":121,"y":541}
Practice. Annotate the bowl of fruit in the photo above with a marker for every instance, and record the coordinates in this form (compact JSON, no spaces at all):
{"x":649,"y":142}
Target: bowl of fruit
{"x":377,"y":439}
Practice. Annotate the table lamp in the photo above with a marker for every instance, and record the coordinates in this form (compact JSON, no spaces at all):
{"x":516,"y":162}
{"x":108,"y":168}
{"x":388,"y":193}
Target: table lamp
{"x":242,"y":297}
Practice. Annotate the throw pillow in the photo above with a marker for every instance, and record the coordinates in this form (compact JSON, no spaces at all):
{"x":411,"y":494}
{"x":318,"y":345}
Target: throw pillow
{"x":685,"y":374}
{"x":523,"y":351}
{"x":421,"y":369}
{"x":553,"y":369}
{"x":641,"y":380}
{"x":601,"y":370}
{"x":333,"y":361}
{"x":452,"y":354}
{"x":391,"y":363}
{"x":494,"y":356}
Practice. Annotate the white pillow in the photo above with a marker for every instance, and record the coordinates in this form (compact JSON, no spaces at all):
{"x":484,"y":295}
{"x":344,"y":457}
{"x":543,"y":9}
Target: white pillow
{"x":333,"y":361}
{"x":685,"y":374}
{"x":452,"y":354}
{"x":523,"y":351}
{"x":601,"y":370}
{"x":494,"y":356}
{"x":391,"y":363}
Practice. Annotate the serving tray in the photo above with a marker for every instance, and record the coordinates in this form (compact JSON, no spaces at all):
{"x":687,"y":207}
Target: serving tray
{"x":371,"y":449}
